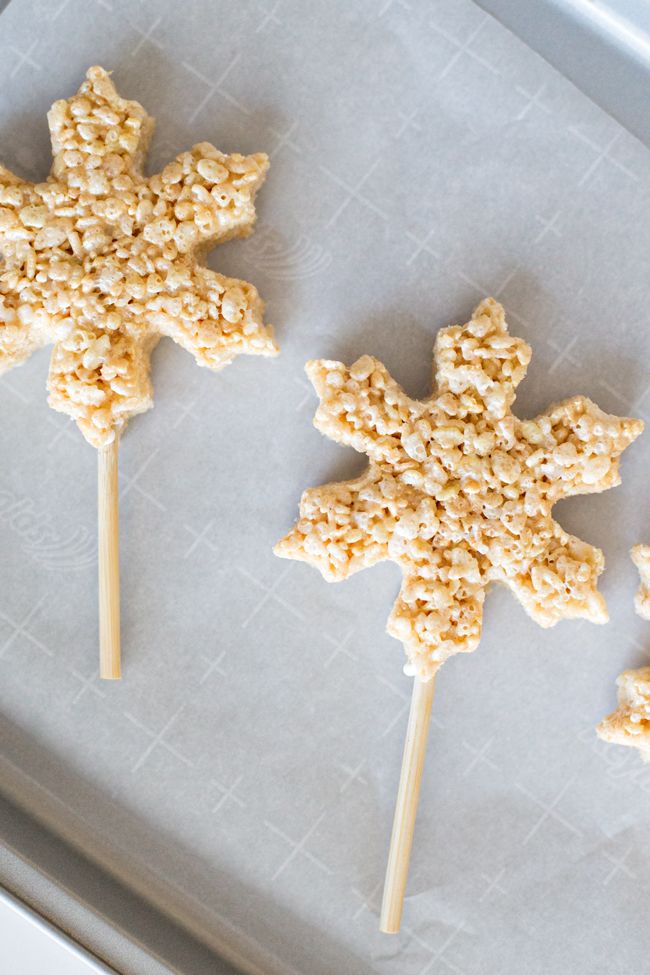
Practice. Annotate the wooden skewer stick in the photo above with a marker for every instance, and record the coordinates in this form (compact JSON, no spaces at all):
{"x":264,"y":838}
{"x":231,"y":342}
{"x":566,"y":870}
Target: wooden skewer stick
{"x":401,"y":839}
{"x":108,"y":520}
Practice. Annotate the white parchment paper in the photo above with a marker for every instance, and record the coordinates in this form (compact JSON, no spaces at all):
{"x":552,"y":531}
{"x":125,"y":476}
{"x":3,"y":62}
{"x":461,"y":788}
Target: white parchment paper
{"x":244,"y":770}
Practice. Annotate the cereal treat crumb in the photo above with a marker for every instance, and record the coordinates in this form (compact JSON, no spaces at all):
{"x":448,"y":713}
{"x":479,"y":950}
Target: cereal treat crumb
{"x":459,"y":491}
{"x":641,"y":558}
{"x":102,"y":261}
{"x":630,"y":723}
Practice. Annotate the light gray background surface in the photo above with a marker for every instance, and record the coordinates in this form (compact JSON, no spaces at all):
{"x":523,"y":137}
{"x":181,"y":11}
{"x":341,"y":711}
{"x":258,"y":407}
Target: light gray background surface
{"x":244,"y":771}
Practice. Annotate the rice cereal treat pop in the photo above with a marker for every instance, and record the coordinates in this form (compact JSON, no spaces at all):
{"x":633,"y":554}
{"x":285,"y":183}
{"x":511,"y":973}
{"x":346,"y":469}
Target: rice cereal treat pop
{"x":641,"y":558}
{"x":101,"y":261}
{"x":458,"y":492}
{"x":630,"y":723}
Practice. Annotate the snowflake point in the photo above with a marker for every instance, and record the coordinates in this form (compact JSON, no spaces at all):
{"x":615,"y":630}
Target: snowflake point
{"x":629,"y":724}
{"x":640,"y":555}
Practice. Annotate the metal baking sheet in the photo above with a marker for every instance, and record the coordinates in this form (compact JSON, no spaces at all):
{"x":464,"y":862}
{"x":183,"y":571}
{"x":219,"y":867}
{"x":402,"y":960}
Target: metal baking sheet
{"x":39,"y":946}
{"x":602,"y":46}
{"x":241,"y":777}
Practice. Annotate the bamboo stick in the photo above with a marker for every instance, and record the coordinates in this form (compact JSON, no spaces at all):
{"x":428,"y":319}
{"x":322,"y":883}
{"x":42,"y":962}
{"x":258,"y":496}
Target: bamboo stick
{"x":401,"y":840}
{"x":109,"y":562}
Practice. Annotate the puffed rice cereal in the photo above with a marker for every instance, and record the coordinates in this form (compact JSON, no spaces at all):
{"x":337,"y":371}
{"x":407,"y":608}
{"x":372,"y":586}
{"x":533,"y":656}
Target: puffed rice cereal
{"x":459,"y":491}
{"x":102,"y":261}
{"x":641,"y":558}
{"x":630,"y":723}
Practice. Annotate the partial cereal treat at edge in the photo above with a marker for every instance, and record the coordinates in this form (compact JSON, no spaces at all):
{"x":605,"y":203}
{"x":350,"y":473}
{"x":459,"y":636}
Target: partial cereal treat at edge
{"x":641,"y":558}
{"x":459,"y":491}
{"x":102,"y":261}
{"x":630,"y":723}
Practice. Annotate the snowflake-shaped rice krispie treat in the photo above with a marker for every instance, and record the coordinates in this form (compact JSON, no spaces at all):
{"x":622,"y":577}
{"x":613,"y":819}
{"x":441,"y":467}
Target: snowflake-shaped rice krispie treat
{"x":459,"y":491}
{"x":103,"y":261}
{"x":641,"y":558}
{"x":630,"y":723}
